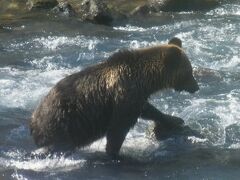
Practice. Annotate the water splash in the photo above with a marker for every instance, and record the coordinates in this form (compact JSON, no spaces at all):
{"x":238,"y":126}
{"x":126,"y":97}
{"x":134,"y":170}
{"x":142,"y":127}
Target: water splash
{"x":23,"y":89}
{"x":130,"y":28}
{"x":18,"y":176}
{"x":56,"y":42}
{"x":56,"y":163}
{"x":228,"y":9}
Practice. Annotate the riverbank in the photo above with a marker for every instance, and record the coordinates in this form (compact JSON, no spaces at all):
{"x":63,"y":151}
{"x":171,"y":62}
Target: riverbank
{"x":100,"y":11}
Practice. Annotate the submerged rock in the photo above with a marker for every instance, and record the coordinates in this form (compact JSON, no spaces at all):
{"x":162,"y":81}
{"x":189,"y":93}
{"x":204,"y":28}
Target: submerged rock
{"x":232,"y":134}
{"x":162,"y":132}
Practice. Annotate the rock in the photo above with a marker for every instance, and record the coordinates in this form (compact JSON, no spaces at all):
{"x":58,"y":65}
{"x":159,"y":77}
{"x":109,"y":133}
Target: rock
{"x":104,"y":11}
{"x":63,"y":8}
{"x":207,"y":75}
{"x":163,"y":132}
{"x":125,"y":7}
{"x":42,"y":4}
{"x":182,"y":5}
{"x":90,"y":10}
{"x":141,"y":10}
{"x":156,"y":6}
{"x":12,"y":9}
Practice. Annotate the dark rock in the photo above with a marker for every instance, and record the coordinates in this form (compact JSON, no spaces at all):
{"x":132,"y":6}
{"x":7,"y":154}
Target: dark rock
{"x":162,"y":132}
{"x":64,"y":9}
{"x":141,"y":10}
{"x":156,"y":6}
{"x":95,"y":11}
{"x":12,"y":5}
{"x":41,"y":4}
{"x":125,"y":6}
{"x":182,"y":5}
{"x":104,"y":11}
{"x":12,"y":9}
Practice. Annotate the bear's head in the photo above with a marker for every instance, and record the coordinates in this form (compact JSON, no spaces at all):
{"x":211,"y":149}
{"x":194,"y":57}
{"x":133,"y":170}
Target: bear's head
{"x":179,"y":67}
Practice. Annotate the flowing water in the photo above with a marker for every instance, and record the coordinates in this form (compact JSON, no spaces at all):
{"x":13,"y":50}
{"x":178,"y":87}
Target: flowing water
{"x":35,"y":53}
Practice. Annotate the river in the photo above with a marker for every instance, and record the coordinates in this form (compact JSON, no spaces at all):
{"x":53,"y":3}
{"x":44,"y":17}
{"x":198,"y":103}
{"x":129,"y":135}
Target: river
{"x":35,"y":53}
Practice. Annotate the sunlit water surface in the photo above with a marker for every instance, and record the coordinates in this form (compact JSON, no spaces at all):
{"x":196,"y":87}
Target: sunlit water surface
{"x":35,"y":54}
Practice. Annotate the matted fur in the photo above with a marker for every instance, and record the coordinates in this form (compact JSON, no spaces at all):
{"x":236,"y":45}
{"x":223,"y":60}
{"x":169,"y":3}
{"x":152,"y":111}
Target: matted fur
{"x":107,"y":98}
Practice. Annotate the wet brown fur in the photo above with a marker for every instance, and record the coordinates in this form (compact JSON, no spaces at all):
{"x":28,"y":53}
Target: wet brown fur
{"x":106,"y":99}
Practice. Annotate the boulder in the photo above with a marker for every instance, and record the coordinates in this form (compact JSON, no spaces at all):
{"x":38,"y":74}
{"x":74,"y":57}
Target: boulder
{"x":12,"y":9}
{"x":182,"y":5}
{"x":89,"y":10}
{"x":105,"y":11}
{"x":156,"y":6}
{"x":125,"y":7}
{"x":42,"y":4}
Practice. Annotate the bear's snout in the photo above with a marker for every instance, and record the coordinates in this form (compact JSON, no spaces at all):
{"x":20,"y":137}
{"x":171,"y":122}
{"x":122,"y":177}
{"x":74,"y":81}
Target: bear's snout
{"x":192,"y":86}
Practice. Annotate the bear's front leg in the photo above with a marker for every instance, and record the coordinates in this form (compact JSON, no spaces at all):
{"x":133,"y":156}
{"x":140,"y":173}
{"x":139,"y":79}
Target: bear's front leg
{"x":149,"y":112}
{"x":115,"y":138}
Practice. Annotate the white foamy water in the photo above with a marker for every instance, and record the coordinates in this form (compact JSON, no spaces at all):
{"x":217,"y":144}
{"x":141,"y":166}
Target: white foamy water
{"x":55,"y":42}
{"x":22,"y":89}
{"x":232,"y":64}
{"x":130,"y":28}
{"x":49,"y":164}
{"x":232,"y":10}
{"x":229,"y":112}
{"x":213,"y":115}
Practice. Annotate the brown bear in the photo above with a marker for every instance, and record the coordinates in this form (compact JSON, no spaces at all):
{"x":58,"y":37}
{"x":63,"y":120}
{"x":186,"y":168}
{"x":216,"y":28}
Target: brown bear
{"x":106,"y":99}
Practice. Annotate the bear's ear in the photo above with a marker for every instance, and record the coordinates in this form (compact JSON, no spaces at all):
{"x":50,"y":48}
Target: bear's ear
{"x":176,"y":41}
{"x":172,"y":57}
